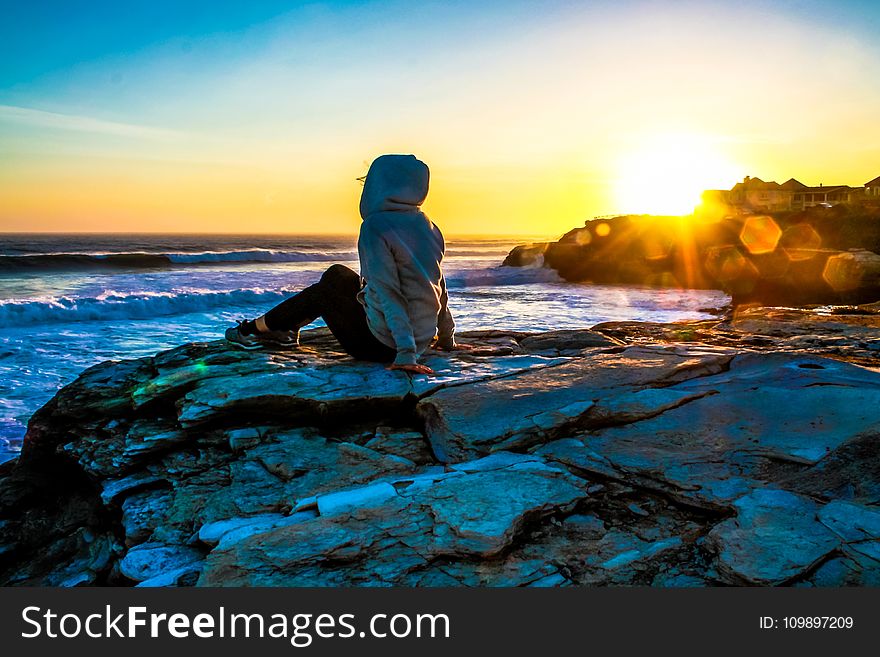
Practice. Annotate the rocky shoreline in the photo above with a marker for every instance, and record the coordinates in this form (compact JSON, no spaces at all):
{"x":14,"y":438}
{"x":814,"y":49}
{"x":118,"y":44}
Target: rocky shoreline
{"x":819,"y":256}
{"x":742,"y":450}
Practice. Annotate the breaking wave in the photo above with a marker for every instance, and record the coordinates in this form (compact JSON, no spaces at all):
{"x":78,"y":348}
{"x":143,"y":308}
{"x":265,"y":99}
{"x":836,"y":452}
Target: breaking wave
{"x":113,"y":305}
{"x":116,"y":306}
{"x":144,"y":260}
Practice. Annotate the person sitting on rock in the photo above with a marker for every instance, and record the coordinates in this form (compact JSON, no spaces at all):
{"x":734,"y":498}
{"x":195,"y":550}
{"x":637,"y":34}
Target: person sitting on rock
{"x":392,"y":312}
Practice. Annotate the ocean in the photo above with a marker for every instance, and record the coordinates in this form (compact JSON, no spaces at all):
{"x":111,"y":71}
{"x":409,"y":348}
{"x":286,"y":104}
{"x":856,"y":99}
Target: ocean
{"x":70,"y":301}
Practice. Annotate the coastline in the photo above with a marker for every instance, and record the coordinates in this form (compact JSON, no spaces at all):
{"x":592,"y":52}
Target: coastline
{"x":632,"y":453}
{"x":814,"y":256}
{"x":56,"y":321}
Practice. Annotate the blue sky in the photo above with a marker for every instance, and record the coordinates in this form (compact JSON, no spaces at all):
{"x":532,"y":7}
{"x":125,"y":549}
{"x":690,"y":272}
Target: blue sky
{"x":42,"y":43}
{"x":42,"y":37}
{"x":521,"y":108}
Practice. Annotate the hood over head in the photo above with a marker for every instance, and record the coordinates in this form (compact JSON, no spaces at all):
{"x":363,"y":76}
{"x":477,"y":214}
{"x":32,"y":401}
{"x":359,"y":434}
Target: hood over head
{"x":394,"y":183}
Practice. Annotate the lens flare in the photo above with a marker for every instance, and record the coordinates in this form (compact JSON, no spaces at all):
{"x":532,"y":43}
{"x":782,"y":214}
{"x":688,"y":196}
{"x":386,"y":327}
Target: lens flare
{"x":800,"y":242}
{"x":760,"y":234}
{"x":843,"y":272}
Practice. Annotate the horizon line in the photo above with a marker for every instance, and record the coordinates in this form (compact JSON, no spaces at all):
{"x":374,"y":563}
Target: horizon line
{"x":237,"y":234}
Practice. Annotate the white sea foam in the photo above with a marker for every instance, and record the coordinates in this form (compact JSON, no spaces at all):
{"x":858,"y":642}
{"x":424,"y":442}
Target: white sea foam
{"x":115,"y":306}
{"x":261,"y":255}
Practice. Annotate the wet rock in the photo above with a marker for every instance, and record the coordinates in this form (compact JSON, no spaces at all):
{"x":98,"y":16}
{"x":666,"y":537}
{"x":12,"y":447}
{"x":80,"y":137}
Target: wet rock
{"x":241,"y":439}
{"x":807,"y":406}
{"x":628,"y":549}
{"x":78,"y":558}
{"x":774,"y":538}
{"x":542,"y":404}
{"x":366,"y":497}
{"x":356,"y":454}
{"x":227,"y":532}
{"x":854,"y":523}
{"x":568,"y":459}
{"x":143,"y":513}
{"x":463,"y":368}
{"x":566,"y":341}
{"x":151,"y":560}
{"x":486,"y":507}
{"x":114,"y":489}
{"x":526,"y":255}
{"x":849,"y":472}
{"x":287,"y":392}
{"x":211,"y":533}
{"x":410,"y":445}
{"x":92,"y":559}
{"x":848,"y":333}
{"x":587,"y":523}
{"x":550,"y":581}
{"x":266,"y":479}
{"x":806,"y":409}
{"x":849,"y":570}
{"x":186,"y":575}
{"x":386,"y":535}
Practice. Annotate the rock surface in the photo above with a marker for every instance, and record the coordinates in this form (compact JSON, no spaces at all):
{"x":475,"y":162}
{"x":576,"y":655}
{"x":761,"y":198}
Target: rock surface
{"x":780,"y":258}
{"x":736,"y":451}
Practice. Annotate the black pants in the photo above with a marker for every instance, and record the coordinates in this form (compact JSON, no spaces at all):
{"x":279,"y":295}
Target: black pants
{"x":333,"y":298}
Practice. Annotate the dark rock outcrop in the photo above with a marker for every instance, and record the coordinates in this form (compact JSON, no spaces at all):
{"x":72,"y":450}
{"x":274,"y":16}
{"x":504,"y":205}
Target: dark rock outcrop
{"x":738,"y":451}
{"x":783,"y":259}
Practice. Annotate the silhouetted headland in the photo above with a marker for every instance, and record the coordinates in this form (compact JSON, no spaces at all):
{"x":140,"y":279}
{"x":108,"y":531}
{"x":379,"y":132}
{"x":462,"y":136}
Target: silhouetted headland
{"x":819,"y":255}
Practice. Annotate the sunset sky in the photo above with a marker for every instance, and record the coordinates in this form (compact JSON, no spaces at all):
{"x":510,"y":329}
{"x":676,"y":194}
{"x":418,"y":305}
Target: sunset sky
{"x":220,"y":116}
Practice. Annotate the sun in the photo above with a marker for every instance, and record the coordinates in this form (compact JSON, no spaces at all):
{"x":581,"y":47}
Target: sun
{"x":666,"y":174}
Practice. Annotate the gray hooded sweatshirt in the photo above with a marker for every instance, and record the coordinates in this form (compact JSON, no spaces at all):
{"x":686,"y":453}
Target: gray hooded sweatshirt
{"x":400,"y":251}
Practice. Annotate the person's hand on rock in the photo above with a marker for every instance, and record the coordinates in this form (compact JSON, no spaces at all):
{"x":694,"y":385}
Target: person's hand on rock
{"x":414,"y":368}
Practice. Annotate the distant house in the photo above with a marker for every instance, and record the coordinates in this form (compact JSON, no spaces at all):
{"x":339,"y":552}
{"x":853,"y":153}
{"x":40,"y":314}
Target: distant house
{"x":809,"y":197}
{"x":796,"y":191}
{"x":754,"y":194}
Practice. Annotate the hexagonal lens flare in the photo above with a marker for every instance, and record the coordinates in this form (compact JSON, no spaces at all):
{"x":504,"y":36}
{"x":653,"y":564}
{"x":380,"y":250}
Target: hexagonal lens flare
{"x":760,"y":234}
{"x":800,"y":237}
{"x":843,"y":272}
{"x":728,"y":264}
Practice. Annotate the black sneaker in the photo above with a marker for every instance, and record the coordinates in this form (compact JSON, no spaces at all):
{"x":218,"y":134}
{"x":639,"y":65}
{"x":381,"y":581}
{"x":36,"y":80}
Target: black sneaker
{"x":272,"y":339}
